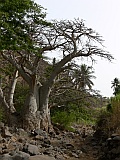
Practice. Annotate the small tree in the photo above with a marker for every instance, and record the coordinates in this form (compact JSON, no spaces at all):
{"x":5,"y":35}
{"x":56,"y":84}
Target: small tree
{"x":116,"y":86}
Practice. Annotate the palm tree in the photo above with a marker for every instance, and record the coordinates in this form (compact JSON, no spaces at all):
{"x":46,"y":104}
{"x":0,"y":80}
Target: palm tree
{"x":116,"y":86}
{"x":83,"y":76}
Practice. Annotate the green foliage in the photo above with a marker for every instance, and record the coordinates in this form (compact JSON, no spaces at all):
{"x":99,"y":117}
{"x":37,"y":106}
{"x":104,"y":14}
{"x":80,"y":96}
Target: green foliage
{"x":48,"y":71}
{"x":87,"y":116}
{"x":109,"y":121}
{"x":102,"y":124}
{"x":63,"y":118}
{"x":7,"y":70}
{"x":16,"y":24}
{"x":72,"y":113}
{"x":1,"y":114}
{"x":116,"y":86}
{"x":20,"y":96}
{"x":109,"y":107}
{"x":83,"y":76}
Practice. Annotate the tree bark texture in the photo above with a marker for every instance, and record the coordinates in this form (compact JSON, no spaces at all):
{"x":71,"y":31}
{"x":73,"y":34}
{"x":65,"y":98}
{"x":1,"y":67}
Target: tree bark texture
{"x":12,"y":90}
{"x":37,"y":113}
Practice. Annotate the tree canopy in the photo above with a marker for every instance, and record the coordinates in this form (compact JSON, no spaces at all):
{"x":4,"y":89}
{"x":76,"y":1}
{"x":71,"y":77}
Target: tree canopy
{"x":17,"y":21}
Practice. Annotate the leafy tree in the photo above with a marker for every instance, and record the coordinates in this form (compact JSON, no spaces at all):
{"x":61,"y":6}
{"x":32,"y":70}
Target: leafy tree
{"x":17,"y":20}
{"x":70,"y":38}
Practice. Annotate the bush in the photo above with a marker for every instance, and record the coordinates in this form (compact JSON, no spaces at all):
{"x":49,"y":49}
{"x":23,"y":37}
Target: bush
{"x":115,"y":113}
{"x":109,"y":121}
{"x":73,"y":113}
{"x":63,"y":118}
{"x":86,"y":116}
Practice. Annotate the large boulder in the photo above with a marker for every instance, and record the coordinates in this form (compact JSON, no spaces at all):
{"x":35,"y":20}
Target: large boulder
{"x":31,"y":149}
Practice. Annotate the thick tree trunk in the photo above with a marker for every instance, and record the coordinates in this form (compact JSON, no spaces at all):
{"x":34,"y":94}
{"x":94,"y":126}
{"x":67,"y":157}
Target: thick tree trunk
{"x":44,"y":111}
{"x":37,"y":113}
{"x":30,"y":109}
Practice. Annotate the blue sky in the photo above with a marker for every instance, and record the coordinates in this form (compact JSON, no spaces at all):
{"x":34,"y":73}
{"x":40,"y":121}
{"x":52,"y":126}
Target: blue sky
{"x":103,"y":16}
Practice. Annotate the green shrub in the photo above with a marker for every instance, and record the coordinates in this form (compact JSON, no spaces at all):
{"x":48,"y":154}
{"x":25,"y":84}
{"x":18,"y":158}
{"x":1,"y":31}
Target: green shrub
{"x":109,"y":121}
{"x":86,"y":115}
{"x":63,"y":118}
{"x":72,"y":113}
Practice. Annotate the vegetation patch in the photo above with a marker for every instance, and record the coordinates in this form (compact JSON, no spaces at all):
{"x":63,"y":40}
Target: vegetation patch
{"x":68,"y":115}
{"x":109,"y":121}
{"x":1,"y":114}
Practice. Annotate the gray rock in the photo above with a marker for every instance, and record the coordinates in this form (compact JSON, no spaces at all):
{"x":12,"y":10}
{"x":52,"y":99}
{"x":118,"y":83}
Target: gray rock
{"x":21,"y":156}
{"x":117,"y":138}
{"x":69,"y":146}
{"x":5,"y":132}
{"x":75,"y":155}
{"x":39,"y":137}
{"x":31,"y":149}
{"x":38,"y":132}
{"x":5,"y":157}
{"x":22,"y":140}
{"x":114,"y":135}
{"x":16,"y":156}
{"x":41,"y":157}
{"x":22,"y":132}
{"x":1,"y":148}
{"x":1,"y":124}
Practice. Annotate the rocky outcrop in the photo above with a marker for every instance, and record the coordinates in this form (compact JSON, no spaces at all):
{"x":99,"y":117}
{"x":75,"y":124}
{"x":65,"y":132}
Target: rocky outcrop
{"x":111,"y":148}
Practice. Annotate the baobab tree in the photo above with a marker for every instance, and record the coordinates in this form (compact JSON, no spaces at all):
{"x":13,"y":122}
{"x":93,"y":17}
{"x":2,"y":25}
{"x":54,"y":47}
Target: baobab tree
{"x":71,"y":39}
